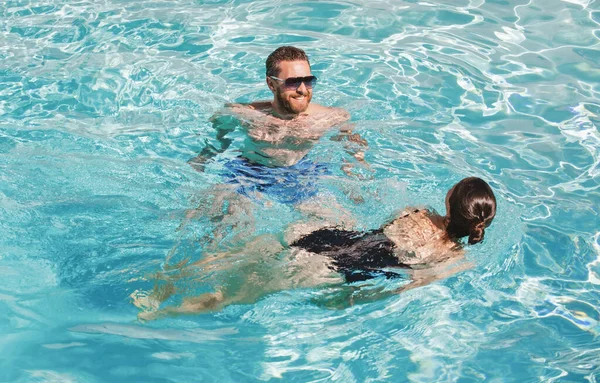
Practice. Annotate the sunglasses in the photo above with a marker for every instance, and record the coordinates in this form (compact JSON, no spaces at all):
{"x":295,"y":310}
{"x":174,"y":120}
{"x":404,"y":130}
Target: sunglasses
{"x":293,"y":83}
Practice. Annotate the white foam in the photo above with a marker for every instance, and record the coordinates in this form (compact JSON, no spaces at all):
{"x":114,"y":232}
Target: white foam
{"x":172,"y":355}
{"x":140,"y":332}
{"x":583,"y":3}
{"x":52,"y":376}
{"x":593,"y":276}
{"x":511,"y":35}
{"x":60,"y":346}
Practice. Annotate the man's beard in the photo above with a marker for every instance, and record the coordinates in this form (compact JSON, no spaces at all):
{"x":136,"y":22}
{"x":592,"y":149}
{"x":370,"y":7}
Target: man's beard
{"x":287,"y":107}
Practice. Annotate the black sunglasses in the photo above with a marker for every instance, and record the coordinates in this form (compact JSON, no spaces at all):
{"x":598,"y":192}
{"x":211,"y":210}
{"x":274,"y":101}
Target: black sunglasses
{"x":293,"y":83}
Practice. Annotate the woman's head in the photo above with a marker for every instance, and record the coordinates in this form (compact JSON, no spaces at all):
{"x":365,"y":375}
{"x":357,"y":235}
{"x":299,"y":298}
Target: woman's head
{"x":470,"y":208}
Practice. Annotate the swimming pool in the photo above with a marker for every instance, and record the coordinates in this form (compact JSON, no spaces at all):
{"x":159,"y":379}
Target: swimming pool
{"x":102,"y":104}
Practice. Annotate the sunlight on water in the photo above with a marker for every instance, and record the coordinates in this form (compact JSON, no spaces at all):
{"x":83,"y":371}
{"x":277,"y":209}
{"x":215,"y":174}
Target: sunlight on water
{"x":103,"y":103}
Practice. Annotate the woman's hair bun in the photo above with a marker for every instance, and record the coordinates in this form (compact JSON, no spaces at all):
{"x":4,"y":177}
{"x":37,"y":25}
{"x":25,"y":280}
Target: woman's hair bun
{"x":476,"y":233}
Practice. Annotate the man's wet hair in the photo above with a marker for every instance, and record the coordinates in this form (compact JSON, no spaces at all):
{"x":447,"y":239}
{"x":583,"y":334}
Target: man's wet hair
{"x":285,"y":53}
{"x":472,"y":207}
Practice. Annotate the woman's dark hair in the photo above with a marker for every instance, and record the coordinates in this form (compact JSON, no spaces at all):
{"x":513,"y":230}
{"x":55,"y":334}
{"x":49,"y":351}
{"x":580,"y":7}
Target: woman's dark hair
{"x":285,"y":53}
{"x":471,"y":207}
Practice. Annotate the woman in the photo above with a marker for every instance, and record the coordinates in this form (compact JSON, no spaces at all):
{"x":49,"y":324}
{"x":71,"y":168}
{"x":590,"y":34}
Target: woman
{"x":418,"y":241}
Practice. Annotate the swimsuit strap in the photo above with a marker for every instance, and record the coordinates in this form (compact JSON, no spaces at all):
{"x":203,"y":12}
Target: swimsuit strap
{"x":409,"y":213}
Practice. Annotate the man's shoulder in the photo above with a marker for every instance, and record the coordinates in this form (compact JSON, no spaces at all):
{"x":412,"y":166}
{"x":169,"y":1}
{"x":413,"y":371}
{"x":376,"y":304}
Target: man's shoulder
{"x":248,"y":112}
{"x":328,"y":109}
{"x":340,"y":114}
{"x":258,"y":105}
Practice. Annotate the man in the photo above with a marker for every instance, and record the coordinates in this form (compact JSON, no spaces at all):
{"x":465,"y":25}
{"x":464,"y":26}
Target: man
{"x":278,"y":133}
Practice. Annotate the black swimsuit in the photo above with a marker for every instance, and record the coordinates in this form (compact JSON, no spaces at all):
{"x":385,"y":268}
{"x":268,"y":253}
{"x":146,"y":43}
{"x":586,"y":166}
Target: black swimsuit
{"x":357,"y":255}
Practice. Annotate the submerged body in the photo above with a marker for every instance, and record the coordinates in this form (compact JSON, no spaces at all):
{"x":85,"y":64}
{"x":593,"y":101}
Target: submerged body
{"x":279,"y":132}
{"x":417,"y":241}
{"x":272,"y":141}
{"x":414,"y":246}
{"x":413,"y":240}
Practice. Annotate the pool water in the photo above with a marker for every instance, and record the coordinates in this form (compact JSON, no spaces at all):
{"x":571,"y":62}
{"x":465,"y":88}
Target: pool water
{"x":102,"y":103}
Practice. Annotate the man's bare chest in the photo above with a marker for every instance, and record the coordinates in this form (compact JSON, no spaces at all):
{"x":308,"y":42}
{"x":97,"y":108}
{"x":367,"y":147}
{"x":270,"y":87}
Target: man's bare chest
{"x":287,"y":134}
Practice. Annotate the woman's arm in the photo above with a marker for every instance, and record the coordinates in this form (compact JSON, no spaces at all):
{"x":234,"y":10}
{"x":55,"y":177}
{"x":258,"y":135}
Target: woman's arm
{"x":443,"y":270}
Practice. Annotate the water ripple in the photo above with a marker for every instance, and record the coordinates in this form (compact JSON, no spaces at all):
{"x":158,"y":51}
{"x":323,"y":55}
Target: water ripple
{"x":102,"y":104}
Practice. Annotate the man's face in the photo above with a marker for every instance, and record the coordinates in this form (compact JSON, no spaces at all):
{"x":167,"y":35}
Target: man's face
{"x":296,"y":100}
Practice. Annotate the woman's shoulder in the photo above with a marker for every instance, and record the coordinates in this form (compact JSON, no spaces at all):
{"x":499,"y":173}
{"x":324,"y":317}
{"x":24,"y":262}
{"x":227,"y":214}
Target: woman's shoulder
{"x":408,"y":218}
{"x":419,"y":236}
{"x":414,"y":212}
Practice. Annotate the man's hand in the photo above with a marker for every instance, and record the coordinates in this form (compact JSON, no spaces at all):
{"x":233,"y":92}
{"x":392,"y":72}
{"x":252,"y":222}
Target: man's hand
{"x":354,"y":145}
{"x":223,"y":124}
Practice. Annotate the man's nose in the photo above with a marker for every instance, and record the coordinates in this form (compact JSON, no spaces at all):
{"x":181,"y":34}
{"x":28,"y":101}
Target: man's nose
{"x":302,"y":89}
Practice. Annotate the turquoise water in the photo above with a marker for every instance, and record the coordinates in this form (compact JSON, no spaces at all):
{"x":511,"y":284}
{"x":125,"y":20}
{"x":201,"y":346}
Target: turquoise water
{"x":102,"y":103}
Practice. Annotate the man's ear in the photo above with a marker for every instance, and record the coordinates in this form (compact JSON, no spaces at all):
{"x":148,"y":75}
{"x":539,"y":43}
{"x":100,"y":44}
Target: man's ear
{"x":270,"y":84}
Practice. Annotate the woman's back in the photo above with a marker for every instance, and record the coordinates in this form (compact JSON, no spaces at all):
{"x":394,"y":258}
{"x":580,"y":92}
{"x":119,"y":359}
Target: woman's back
{"x":420,"y":238}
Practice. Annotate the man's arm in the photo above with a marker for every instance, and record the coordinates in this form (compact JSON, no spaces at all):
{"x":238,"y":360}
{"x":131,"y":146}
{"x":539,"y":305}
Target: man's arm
{"x":354,"y":145}
{"x":223,"y":122}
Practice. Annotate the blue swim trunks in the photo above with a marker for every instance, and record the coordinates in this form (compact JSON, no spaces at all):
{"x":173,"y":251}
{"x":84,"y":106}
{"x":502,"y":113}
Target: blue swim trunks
{"x":289,"y":185}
